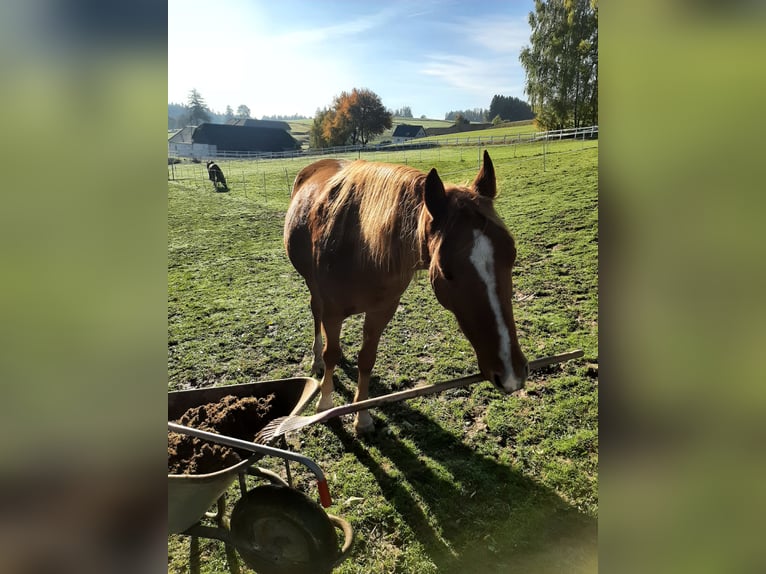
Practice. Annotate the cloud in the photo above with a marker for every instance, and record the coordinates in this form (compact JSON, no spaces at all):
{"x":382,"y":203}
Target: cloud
{"x":503,"y":35}
{"x":477,"y":75}
{"x":334,"y":32}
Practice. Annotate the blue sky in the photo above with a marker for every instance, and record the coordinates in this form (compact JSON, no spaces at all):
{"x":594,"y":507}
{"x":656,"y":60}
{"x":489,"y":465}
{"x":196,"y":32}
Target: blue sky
{"x":294,"y":56}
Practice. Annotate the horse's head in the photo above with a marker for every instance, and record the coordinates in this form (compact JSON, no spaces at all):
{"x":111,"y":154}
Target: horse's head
{"x":471,"y":255}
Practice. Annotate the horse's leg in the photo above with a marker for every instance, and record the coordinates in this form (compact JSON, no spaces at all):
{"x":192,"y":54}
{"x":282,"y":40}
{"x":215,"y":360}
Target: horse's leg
{"x":374,"y":324}
{"x":331,"y":355}
{"x":317,"y":367}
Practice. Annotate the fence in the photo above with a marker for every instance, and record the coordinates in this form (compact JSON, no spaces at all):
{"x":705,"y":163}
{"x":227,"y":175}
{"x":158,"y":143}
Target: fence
{"x":268,"y":179}
{"x":589,"y":132}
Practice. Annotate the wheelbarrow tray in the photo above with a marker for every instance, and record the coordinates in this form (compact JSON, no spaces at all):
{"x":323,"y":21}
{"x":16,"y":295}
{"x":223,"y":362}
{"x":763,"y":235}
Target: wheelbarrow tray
{"x":191,"y":495}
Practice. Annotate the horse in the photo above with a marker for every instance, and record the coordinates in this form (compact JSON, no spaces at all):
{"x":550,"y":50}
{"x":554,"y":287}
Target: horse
{"x":357,"y":232}
{"x":215,"y":174}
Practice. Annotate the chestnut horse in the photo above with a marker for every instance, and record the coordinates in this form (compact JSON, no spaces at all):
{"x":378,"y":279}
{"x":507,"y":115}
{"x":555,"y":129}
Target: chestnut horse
{"x":357,"y":231}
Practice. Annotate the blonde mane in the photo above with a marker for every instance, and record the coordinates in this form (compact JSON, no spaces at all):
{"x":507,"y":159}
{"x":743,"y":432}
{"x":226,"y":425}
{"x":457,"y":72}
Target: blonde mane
{"x":388,"y":203}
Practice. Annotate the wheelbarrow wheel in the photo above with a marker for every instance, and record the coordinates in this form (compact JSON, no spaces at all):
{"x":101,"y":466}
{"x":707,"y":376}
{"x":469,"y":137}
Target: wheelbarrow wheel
{"x":278,"y":530}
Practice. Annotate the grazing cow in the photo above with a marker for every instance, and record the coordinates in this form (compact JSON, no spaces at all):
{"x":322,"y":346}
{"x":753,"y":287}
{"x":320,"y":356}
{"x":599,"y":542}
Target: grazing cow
{"x":216,"y":176}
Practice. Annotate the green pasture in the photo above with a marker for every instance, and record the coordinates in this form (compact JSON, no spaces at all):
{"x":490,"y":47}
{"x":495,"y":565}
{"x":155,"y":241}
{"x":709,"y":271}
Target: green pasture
{"x":467,"y":481}
{"x":509,"y":131}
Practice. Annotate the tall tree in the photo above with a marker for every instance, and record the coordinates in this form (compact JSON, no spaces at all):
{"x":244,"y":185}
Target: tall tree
{"x":243,"y":112}
{"x":198,"y":110}
{"x":354,"y":118}
{"x":562,"y":63}
{"x":363,"y":112}
{"x":229,"y":113}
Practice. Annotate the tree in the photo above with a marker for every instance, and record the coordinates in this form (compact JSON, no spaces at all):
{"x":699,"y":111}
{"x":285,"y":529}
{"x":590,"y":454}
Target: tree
{"x":363,"y":114}
{"x":460,"y":120}
{"x":474,"y":115}
{"x":229,"y":113}
{"x":198,"y":110}
{"x":510,"y":109}
{"x":316,"y":131}
{"x":354,"y":118}
{"x":243,"y":112}
{"x":562,"y":63}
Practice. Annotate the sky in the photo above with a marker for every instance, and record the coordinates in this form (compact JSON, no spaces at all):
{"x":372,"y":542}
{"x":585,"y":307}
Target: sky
{"x":294,"y":56}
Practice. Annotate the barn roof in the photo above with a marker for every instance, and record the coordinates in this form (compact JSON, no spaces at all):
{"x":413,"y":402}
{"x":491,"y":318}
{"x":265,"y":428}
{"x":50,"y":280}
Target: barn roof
{"x":182,"y":136}
{"x":251,"y":123}
{"x":240,"y":138}
{"x":406,"y":131}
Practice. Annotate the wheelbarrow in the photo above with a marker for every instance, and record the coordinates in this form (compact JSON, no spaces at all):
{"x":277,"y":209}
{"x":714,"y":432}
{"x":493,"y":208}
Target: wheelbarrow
{"x":275,"y":528}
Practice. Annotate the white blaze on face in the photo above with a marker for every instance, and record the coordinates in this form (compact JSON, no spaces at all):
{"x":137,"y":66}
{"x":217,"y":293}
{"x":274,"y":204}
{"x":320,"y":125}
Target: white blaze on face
{"x":483,"y":259}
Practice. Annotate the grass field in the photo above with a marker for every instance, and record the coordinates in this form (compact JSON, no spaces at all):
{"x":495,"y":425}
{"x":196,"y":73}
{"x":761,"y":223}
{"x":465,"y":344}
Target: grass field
{"x":515,"y":129}
{"x":466,"y":481}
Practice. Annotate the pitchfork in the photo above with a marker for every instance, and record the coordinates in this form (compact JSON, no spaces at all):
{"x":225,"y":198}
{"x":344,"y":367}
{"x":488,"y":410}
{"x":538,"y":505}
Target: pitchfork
{"x":282,"y":425}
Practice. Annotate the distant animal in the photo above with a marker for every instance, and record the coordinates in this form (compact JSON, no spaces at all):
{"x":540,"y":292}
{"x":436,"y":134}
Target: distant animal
{"x":357,"y":231}
{"x":216,"y":176}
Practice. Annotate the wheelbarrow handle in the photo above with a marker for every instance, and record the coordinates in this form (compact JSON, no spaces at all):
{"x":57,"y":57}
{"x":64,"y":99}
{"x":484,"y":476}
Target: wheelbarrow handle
{"x":324,"y":492}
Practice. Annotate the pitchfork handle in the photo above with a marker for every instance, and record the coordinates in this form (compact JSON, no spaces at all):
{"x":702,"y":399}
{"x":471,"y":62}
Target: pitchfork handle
{"x":437,"y":387}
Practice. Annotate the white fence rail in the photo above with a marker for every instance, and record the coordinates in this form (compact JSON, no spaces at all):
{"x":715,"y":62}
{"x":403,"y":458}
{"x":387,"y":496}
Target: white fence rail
{"x":589,"y":132}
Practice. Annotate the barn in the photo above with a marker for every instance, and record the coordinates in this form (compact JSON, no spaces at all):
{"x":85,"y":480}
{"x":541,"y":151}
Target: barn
{"x":211,"y":140}
{"x":251,"y":123}
{"x":406,"y":132}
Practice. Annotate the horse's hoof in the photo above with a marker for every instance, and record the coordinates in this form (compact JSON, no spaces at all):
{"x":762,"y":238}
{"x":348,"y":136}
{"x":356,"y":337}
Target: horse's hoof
{"x":365,"y":430}
{"x":317,"y":370}
{"x":324,"y":403}
{"x":364,"y":425}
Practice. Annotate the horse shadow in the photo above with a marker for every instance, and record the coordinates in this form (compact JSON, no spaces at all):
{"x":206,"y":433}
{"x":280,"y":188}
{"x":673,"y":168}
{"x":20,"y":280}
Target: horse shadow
{"x":471,"y":512}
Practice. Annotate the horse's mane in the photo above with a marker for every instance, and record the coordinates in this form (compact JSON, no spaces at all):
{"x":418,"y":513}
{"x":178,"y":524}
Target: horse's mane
{"x":387,"y":200}
{"x":379,"y":206}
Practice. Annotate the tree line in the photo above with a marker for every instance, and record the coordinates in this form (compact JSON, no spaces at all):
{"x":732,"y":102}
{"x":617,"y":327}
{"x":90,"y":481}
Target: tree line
{"x":196,"y":111}
{"x":502,"y":108}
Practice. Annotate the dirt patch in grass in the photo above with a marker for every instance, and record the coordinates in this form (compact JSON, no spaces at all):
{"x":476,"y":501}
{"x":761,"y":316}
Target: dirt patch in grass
{"x":238,"y":417}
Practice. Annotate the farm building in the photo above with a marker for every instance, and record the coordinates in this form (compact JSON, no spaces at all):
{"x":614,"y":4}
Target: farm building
{"x":406,"y":132}
{"x":251,"y":123}
{"x":210,"y":140}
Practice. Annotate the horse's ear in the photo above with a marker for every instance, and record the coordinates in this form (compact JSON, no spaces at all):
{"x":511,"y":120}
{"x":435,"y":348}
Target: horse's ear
{"x":434,"y":195}
{"x":485,"y":183}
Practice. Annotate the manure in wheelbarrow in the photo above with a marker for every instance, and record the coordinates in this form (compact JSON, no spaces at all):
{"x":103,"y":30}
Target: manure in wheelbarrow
{"x":238,"y":417}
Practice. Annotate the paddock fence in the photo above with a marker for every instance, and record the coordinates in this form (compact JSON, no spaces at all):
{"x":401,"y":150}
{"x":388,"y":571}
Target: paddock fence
{"x":269,"y":177}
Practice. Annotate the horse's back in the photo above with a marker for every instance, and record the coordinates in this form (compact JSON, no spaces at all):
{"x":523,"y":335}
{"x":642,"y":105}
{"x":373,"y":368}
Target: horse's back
{"x":317,"y":172}
{"x":298,"y":235}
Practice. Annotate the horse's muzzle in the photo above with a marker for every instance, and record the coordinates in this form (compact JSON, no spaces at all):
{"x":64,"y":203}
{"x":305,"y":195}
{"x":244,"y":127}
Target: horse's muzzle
{"x":510,"y":382}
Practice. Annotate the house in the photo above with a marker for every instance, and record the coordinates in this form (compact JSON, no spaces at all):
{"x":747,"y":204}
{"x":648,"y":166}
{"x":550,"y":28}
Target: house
{"x":210,"y":140}
{"x":406,"y":132}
